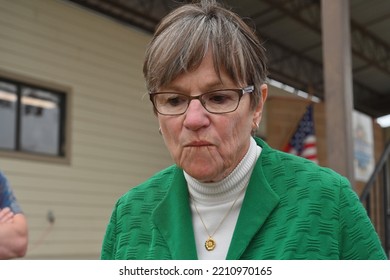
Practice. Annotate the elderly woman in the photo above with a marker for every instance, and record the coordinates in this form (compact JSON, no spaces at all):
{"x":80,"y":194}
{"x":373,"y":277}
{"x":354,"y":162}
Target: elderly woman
{"x":229,"y":195}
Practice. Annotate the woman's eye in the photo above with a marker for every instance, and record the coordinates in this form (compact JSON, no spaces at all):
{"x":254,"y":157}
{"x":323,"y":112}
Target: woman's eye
{"x":219,"y":98}
{"x":176,"y":101}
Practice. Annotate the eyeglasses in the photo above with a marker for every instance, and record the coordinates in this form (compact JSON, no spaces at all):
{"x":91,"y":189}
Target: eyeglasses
{"x":217,"y":101}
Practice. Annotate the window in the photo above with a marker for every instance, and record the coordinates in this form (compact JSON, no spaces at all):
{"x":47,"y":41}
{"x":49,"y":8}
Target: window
{"x":32,"y":119}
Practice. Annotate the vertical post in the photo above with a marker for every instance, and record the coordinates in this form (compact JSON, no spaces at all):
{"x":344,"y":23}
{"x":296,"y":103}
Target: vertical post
{"x":386,"y":206}
{"x":338,"y":85}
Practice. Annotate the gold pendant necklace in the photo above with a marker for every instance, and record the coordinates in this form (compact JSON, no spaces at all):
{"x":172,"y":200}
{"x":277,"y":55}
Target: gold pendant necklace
{"x":210,"y":242}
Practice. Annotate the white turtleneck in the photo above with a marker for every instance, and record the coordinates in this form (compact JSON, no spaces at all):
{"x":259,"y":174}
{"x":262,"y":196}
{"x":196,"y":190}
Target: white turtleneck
{"x":215,"y":200}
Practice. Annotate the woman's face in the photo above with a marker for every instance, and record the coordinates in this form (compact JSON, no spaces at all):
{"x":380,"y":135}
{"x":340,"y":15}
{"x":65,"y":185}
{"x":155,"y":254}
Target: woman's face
{"x":209,"y":146}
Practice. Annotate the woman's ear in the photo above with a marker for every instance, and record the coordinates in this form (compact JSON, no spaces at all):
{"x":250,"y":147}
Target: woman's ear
{"x":259,"y":108}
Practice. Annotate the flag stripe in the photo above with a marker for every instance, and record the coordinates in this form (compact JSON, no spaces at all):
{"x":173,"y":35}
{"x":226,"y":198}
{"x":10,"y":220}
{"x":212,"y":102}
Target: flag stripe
{"x":303,"y":142}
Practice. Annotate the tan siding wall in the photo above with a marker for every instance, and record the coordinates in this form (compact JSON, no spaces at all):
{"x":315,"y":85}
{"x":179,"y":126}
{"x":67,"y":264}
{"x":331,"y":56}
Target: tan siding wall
{"x":115,"y":142}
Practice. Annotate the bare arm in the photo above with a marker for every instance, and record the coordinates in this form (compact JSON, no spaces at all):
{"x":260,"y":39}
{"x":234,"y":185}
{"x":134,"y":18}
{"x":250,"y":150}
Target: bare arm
{"x":13,"y":234}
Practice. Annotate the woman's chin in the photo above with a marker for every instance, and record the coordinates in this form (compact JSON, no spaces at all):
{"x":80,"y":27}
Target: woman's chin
{"x":203,"y":173}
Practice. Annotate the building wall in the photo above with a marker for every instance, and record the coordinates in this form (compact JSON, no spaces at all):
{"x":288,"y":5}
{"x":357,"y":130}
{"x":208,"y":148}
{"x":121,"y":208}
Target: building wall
{"x":114,"y":135}
{"x":283,"y":114}
{"x":284,"y":111}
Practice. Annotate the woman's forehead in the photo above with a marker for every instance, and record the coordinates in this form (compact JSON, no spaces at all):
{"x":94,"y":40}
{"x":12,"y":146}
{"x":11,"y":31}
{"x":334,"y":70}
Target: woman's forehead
{"x":206,"y":77}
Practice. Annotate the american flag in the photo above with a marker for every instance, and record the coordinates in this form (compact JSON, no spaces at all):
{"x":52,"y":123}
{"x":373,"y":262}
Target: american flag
{"x":303,"y":141}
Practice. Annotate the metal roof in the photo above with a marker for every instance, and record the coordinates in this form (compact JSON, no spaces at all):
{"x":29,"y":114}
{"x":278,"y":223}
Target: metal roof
{"x":291,"y":30}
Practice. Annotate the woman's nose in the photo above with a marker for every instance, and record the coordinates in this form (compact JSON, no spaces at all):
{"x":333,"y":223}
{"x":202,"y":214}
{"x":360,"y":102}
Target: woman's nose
{"x":196,"y":116}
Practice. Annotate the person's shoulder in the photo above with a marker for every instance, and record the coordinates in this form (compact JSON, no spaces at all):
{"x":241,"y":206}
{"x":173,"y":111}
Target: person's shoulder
{"x":278,"y":163}
{"x":160,"y":179}
{"x":156,"y":185}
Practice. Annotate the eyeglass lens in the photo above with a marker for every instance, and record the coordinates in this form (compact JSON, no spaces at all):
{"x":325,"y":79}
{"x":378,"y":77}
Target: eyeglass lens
{"x":221,"y":101}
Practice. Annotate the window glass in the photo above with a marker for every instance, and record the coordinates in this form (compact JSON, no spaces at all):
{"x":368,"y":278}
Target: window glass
{"x":8,"y":109}
{"x":32,"y":120}
{"x":40,"y":121}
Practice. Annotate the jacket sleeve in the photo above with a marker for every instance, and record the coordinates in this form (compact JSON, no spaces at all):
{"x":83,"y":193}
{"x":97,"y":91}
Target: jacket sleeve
{"x":7,"y":197}
{"x":109,"y":240}
{"x":358,"y":238}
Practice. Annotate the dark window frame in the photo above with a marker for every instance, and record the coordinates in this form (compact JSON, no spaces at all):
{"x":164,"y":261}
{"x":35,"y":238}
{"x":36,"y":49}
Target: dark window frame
{"x":65,"y":97}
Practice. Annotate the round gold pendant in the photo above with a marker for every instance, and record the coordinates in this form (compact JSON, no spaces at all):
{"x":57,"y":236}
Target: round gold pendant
{"x":209,"y":244}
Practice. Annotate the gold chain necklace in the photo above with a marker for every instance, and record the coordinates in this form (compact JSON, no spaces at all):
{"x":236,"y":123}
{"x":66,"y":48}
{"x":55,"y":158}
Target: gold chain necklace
{"x":210,"y":242}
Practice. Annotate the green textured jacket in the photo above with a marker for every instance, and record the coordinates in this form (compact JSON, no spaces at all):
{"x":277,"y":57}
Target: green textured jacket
{"x":293,"y":209}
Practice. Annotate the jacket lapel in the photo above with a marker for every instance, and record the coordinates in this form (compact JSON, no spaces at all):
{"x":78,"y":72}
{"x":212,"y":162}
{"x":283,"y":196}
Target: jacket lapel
{"x":173,"y":219}
{"x":259,"y":202}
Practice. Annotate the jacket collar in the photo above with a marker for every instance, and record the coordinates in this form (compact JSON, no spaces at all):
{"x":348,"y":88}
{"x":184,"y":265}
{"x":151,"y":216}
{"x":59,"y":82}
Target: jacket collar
{"x":174,"y":221}
{"x":259,"y":202}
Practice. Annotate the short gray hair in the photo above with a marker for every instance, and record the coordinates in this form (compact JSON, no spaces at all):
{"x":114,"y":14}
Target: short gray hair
{"x":184,"y":36}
